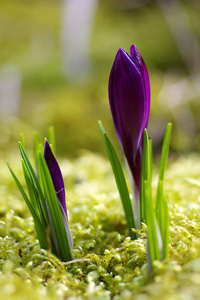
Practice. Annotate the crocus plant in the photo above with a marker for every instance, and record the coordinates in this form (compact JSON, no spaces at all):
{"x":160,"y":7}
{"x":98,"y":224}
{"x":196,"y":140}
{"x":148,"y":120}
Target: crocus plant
{"x":129,"y":97}
{"x":46,"y":200}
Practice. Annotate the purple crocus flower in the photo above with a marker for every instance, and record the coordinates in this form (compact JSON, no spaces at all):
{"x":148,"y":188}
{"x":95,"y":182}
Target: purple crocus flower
{"x":58,"y":183}
{"x":129,"y":96}
{"x":56,"y":175}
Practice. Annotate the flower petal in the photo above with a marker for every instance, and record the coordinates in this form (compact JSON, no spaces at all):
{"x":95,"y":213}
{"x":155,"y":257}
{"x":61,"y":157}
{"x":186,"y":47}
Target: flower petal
{"x":129,"y":96}
{"x":127,"y":102}
{"x":56,"y":175}
{"x":140,"y":64}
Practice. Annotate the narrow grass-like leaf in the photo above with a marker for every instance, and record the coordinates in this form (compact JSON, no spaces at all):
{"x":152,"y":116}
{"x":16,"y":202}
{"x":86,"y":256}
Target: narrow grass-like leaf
{"x":36,"y":142}
{"x":38,"y":225}
{"x":120,"y":181}
{"x":159,"y":200}
{"x":148,"y":214}
{"x":52,"y":140}
{"x":23,"y":140}
{"x":165,"y":151}
{"x":31,"y":190}
{"x":162,"y":216}
{"x":165,"y":229}
{"x":150,"y":162}
{"x":54,"y":209}
{"x":144,"y":174}
{"x":161,"y":207}
{"x":66,"y":223}
{"x":34,"y":179}
{"x":151,"y":223}
{"x":163,"y":163}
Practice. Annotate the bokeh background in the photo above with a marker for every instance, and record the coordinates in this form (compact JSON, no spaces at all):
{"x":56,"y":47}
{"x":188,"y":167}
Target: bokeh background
{"x":55,"y":60}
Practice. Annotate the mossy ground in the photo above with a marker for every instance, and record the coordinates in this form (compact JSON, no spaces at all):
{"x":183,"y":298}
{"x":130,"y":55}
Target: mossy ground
{"x":117,"y":267}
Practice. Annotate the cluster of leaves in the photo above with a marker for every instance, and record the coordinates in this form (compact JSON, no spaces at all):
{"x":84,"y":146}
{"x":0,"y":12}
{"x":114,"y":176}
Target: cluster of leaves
{"x":157,"y":219}
{"x":50,"y":220}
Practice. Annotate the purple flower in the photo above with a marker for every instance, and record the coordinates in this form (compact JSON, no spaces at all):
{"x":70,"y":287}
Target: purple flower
{"x":56,"y":175}
{"x":129,"y":95}
{"x":58,"y":183}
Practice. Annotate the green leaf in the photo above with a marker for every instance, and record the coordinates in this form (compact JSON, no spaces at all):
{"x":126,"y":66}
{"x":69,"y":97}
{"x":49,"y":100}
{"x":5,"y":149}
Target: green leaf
{"x":161,"y":207}
{"x":38,"y":225}
{"x":31,"y":189}
{"x":144,"y":174}
{"x":39,"y":195}
{"x":154,"y":248}
{"x":165,"y":229}
{"x":23,"y":140}
{"x":52,"y":140}
{"x":120,"y":181}
{"x":165,"y":151}
{"x":151,"y":223}
{"x":67,"y":228}
{"x":36,"y":142}
{"x":162,"y":216}
{"x":58,"y":232}
{"x":150,"y":162}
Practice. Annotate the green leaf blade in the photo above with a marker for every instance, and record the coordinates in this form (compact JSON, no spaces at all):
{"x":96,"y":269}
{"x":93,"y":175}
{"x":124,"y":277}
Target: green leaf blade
{"x":39,"y":227}
{"x":144,"y":175}
{"x":165,"y":151}
{"x":52,"y":140}
{"x":34,"y":179}
{"x":60,"y":239}
{"x":161,"y":207}
{"x":120,"y":181}
{"x":151,"y":224}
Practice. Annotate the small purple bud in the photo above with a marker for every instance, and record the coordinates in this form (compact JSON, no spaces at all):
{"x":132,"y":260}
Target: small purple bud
{"x":56,"y":175}
{"x":129,"y":96}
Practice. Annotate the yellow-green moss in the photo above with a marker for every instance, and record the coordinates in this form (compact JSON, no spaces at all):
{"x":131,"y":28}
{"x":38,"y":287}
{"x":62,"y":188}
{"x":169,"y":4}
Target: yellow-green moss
{"x":117,"y":266}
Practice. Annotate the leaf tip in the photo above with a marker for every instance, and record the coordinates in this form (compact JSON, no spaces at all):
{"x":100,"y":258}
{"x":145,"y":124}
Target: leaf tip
{"x":101,"y":127}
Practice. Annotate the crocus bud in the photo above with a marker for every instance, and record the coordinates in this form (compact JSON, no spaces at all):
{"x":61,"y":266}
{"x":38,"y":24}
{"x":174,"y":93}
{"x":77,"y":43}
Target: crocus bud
{"x":56,"y":175}
{"x":129,"y":96}
{"x":59,"y":187}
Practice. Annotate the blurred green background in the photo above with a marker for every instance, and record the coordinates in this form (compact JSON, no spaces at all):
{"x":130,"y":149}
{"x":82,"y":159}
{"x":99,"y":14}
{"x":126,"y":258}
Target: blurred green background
{"x":30,"y":46}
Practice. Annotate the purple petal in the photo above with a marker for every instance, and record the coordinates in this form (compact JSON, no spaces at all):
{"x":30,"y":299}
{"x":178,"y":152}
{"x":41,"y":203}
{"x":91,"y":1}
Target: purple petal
{"x":56,"y":175}
{"x":139,"y":62}
{"x":129,"y":95}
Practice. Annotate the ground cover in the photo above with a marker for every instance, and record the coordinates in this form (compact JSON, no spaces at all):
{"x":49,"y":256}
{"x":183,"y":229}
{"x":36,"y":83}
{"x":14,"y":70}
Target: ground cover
{"x":117,"y":266}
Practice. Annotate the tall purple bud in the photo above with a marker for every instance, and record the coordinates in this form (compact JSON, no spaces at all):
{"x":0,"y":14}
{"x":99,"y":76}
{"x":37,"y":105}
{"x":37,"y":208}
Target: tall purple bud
{"x":58,"y":183}
{"x":129,"y":95}
{"x":56,"y":175}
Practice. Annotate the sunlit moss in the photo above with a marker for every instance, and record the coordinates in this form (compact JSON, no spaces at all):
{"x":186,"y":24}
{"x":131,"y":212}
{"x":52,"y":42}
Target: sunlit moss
{"x":116,"y":267}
